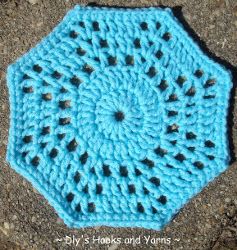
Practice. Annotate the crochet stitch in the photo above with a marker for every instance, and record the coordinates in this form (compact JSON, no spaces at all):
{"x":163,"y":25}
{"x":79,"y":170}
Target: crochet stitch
{"x":117,"y":117}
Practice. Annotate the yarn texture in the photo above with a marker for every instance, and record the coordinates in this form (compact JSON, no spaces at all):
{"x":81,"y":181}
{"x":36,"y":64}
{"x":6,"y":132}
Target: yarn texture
{"x":118,"y":118}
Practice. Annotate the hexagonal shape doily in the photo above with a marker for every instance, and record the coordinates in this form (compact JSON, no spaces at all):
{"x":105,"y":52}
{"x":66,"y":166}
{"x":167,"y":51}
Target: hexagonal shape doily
{"x":117,"y":117}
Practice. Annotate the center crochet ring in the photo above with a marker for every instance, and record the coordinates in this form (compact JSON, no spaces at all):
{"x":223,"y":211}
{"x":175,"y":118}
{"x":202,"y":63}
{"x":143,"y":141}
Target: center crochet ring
{"x":117,"y":117}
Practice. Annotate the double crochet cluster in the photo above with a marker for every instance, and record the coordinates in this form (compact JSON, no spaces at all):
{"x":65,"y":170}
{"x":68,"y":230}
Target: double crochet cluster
{"x":117,"y":117}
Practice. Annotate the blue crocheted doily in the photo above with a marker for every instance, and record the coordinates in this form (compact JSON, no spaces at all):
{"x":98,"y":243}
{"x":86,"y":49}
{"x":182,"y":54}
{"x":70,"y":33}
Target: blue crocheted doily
{"x":117,"y":117}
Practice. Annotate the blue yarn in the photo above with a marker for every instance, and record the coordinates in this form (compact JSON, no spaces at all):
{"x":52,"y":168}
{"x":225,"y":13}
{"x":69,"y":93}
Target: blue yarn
{"x":118,"y":118}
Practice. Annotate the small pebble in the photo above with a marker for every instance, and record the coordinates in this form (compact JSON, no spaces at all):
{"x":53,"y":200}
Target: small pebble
{"x":2,"y":151}
{"x":113,"y":247}
{"x":4,"y":142}
{"x":8,"y":187}
{"x":33,"y":219}
{"x":14,"y":217}
{"x":4,"y":106}
{"x":4,"y":231}
{"x":212,"y":26}
{"x":33,"y":1}
{"x":2,"y":75}
{"x":227,"y":200}
{"x":39,"y":24}
{"x":6,"y":225}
